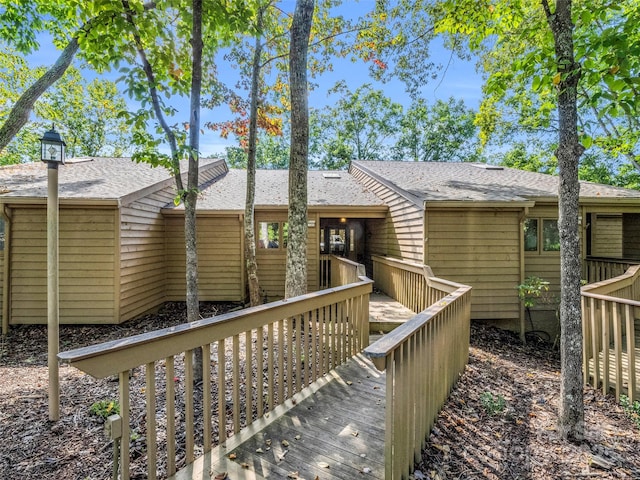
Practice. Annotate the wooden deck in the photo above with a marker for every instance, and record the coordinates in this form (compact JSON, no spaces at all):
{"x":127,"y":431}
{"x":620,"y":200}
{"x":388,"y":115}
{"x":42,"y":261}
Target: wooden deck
{"x":333,"y":429}
{"x":613,"y":375}
{"x":385,"y":314}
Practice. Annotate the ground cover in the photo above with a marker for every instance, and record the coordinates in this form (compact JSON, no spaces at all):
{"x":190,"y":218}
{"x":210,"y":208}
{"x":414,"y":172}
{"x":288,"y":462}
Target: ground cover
{"x":499,"y":422}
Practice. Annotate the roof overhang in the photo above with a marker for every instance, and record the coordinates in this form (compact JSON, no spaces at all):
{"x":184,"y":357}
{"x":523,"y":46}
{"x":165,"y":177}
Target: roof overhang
{"x":76,"y":202}
{"x":350,"y":211}
{"x":478,"y":204}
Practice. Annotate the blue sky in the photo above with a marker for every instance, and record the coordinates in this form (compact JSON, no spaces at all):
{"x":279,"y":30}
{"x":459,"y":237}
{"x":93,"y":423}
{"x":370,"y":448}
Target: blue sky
{"x":459,"y":80}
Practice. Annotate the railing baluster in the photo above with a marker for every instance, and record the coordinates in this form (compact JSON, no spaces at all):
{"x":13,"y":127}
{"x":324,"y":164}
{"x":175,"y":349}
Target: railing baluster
{"x":270,"y":366}
{"x":617,"y":345}
{"x":206,"y":396}
{"x":222,"y":396}
{"x":281,"y":354}
{"x":150,"y":397}
{"x":171,"y":415}
{"x":291,"y":355}
{"x":314,"y":345}
{"x":235,"y":392}
{"x":631,"y":353}
{"x":260,"y":371}
{"x":248,"y":377}
{"x":298,"y":354}
{"x":125,"y":455}
{"x":188,"y":405}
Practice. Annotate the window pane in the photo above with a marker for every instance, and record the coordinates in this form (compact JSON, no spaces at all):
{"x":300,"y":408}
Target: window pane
{"x":531,"y":235}
{"x":550,"y":236}
{"x":268,"y":234}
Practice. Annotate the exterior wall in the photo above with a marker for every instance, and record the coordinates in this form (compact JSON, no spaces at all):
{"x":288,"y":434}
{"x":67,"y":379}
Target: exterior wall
{"x":404,"y":231}
{"x":220,"y":266}
{"x":375,"y":243}
{"x":272,"y":263}
{"x":142,"y":254}
{"x":631,"y":228}
{"x":606,"y":235}
{"x":87,"y":259}
{"x":481,"y":248}
{"x":545,"y":265}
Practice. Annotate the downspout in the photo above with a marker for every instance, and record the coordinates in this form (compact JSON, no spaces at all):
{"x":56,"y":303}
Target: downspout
{"x":6,"y":286}
{"x":523,"y":215}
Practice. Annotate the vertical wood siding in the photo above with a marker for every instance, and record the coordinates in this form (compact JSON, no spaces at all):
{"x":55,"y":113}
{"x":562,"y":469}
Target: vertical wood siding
{"x":87,"y":266}
{"x":404,"y":231}
{"x":480,"y":248}
{"x":219,"y":258}
{"x":142,"y":254}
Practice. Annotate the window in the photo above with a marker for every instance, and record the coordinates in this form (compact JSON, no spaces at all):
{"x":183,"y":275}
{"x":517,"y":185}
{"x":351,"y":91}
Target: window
{"x":531,"y":235}
{"x":272,"y":235}
{"x":549,"y":237}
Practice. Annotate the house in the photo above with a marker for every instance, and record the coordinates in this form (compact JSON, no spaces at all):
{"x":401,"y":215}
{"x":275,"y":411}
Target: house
{"x":122,"y":239}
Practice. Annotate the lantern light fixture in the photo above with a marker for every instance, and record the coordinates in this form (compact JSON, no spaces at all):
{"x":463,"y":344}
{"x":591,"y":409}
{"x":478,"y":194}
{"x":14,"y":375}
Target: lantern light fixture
{"x":52,"y":147}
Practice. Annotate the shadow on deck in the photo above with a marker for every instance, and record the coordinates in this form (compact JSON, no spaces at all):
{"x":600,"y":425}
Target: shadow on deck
{"x":332,"y":429}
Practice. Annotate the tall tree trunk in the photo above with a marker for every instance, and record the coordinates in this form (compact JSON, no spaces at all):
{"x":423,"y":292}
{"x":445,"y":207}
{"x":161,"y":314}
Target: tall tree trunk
{"x":296,"y":279}
{"x":249,"y":208}
{"x":191,"y":195}
{"x":571,"y":410}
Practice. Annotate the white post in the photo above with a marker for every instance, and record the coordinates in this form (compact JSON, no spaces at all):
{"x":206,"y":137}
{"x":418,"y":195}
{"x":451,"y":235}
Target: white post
{"x":52,"y":290}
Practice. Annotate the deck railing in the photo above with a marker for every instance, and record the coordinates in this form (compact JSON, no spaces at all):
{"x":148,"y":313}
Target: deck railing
{"x":411,"y":284}
{"x":279,"y":348}
{"x":423,"y":358}
{"x":610,"y":318}
{"x":335,"y":271}
{"x":599,"y":269}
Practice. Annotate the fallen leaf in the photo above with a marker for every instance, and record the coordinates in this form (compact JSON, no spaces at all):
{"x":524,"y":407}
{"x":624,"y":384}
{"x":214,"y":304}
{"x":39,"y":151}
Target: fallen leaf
{"x":244,"y":465}
{"x":349,"y":382}
{"x":323,"y":464}
{"x":259,"y":450}
{"x":366,"y":470}
{"x":355,"y":433}
{"x":297,"y":437}
{"x":232,"y":456}
{"x":221,"y":476}
{"x":285,"y":443}
{"x":292,"y":475}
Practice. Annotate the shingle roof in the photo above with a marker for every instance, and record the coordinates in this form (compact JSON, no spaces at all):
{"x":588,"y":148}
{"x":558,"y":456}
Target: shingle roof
{"x":448,"y":181}
{"x":97,"y":178}
{"x":324,"y":189}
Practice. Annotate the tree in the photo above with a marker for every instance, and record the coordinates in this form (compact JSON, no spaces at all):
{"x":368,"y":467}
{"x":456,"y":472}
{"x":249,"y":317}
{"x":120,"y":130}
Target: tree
{"x":439,"y":133}
{"x":360,"y":126}
{"x":296,"y":276}
{"x":549,"y":37}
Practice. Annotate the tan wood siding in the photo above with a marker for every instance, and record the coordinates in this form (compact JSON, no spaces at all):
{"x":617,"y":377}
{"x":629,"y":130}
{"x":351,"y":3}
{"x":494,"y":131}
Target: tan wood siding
{"x":606,"y":235}
{"x":631,"y":228}
{"x":480,"y":248}
{"x":219,"y":258}
{"x":142,"y":254}
{"x":404,"y":231}
{"x":87,"y":266}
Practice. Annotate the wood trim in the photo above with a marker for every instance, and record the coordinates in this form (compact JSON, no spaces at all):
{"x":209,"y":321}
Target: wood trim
{"x":6,"y":271}
{"x":117,"y":265}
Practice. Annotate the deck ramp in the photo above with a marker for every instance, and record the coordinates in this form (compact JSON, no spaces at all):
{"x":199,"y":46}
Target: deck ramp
{"x":333,"y":429}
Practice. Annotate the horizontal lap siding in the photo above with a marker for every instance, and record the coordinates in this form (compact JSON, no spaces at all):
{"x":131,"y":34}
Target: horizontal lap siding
{"x":142,"y":254}
{"x":219,"y":258}
{"x":478,"y":248}
{"x":404,"y":230}
{"x":87,"y":259}
{"x":607,"y":236}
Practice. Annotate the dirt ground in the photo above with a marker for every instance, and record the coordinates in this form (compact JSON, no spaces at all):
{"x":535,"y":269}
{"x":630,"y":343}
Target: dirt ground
{"x":498,"y":424}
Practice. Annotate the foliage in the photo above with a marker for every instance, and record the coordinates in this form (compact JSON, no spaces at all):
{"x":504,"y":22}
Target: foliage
{"x":532,"y":290}
{"x":631,"y":409}
{"x":492,"y":404}
{"x":359,"y":126}
{"x":442,"y":132}
{"x":105,"y":408}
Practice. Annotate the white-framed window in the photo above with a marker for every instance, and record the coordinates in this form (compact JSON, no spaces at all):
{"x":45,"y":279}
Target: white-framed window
{"x":272,"y":235}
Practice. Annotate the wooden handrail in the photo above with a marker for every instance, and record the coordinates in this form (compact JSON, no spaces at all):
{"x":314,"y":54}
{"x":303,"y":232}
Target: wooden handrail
{"x":288,"y":344}
{"x":609,"y":316}
{"x":423,"y":358}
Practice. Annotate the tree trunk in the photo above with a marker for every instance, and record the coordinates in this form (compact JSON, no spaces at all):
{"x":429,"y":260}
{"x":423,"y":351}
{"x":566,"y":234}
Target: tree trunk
{"x":571,"y":410}
{"x":19,"y":114}
{"x":191,"y":195}
{"x":249,"y":217}
{"x":296,"y":279}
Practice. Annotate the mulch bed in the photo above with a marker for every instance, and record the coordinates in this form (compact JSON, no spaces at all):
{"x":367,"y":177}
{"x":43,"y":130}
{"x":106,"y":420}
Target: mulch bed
{"x":475,"y":435}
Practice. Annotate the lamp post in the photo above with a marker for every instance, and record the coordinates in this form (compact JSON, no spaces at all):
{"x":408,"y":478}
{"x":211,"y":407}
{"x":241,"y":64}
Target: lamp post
{"x":52,"y":152}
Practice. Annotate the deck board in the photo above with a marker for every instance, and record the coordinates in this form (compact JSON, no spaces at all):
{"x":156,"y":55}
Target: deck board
{"x":339,"y":420}
{"x":612,"y":368}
